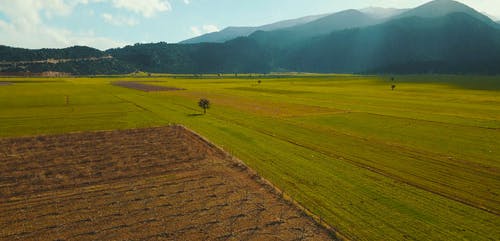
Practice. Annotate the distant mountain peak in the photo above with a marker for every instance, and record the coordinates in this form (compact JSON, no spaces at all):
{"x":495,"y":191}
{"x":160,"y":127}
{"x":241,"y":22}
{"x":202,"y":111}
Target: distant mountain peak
{"x":346,"y":19}
{"x":234,"y":32}
{"x":440,"y":8}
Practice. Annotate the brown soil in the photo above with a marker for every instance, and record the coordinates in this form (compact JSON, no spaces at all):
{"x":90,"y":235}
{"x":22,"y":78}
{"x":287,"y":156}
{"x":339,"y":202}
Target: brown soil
{"x":144,"y":87}
{"x":5,"y":83}
{"x":145,"y":184}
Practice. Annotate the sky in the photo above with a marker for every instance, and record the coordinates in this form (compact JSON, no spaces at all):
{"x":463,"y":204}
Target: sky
{"x":105,"y":24}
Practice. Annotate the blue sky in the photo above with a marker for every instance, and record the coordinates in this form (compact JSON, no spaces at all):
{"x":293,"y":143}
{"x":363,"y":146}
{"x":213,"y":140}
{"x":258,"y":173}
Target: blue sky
{"x":114,"y":23}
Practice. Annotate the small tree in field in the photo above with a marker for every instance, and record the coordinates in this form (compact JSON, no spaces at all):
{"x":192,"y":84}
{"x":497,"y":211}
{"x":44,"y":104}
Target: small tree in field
{"x":393,"y":87}
{"x":204,"y":104}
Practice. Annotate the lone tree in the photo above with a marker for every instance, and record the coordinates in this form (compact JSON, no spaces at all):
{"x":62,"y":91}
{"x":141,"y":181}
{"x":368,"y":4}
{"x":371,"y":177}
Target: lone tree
{"x":204,"y":104}
{"x":393,"y":87}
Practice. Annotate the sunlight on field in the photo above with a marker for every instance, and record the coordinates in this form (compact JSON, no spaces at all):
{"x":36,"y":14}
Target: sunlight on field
{"x":420,"y":162}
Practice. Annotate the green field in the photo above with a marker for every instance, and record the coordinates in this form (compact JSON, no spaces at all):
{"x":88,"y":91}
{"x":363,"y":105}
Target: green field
{"x":418,"y":163}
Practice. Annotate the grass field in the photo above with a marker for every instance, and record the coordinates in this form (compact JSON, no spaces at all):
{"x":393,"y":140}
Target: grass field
{"x":421,"y":162}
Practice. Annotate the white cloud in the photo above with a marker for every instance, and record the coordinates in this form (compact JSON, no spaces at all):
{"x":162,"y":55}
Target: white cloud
{"x":147,"y":8}
{"x":186,"y":1}
{"x":210,"y":28}
{"x":492,"y":7}
{"x":25,"y":26}
{"x":119,"y":20}
{"x":48,"y":37}
{"x":196,"y":31}
{"x":207,"y":28}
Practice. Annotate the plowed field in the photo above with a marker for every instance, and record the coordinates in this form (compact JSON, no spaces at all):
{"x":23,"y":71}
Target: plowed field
{"x":144,"y":184}
{"x":143,"y":87}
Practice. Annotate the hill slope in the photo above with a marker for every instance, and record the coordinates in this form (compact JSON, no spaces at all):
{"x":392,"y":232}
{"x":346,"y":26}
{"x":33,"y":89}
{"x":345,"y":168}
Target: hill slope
{"x":409,"y":45}
{"x":334,"y":22}
{"x":231,"y":33}
{"x":78,"y":60}
{"x":20,"y":54}
{"x":239,"y":55}
{"x":440,"y":8}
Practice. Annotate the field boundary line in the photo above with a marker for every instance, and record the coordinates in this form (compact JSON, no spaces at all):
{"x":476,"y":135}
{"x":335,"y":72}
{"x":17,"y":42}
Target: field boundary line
{"x":270,"y":187}
{"x":431,"y":121}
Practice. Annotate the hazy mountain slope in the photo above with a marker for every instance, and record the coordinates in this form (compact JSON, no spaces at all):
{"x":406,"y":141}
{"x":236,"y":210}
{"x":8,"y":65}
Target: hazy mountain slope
{"x":456,"y":43}
{"x":222,"y":36}
{"x":440,"y":8}
{"x":337,"y":21}
{"x":292,"y":22}
{"x":230,"y":33}
{"x":284,"y":38}
{"x":287,"y":37}
{"x":377,"y":12}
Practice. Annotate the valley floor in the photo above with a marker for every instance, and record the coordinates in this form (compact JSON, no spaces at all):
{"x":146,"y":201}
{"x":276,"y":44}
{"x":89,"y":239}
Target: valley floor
{"x":420,"y":162}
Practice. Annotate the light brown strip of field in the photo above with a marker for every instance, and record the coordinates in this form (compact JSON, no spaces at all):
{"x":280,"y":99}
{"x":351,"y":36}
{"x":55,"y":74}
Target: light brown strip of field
{"x":144,"y":87}
{"x":145,"y":184}
{"x":5,"y":83}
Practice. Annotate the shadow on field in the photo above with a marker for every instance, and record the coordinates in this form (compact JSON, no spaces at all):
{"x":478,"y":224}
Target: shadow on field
{"x":194,"y":115}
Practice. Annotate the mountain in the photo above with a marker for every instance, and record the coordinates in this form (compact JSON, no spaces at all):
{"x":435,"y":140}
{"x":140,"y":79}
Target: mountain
{"x":337,"y":21}
{"x":292,"y":31}
{"x":19,"y":54}
{"x":238,"y":55}
{"x":78,"y":60}
{"x":442,"y":36}
{"x":455,"y":43}
{"x":440,"y":8}
{"x":230,"y":33}
{"x":305,"y":26}
{"x":222,"y":36}
{"x":284,"y":38}
{"x":383,"y":13}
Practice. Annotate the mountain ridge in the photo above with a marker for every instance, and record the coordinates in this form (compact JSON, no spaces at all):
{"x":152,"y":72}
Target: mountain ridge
{"x":377,"y":49}
{"x":287,"y":37}
{"x":439,"y":8}
{"x":233,"y":32}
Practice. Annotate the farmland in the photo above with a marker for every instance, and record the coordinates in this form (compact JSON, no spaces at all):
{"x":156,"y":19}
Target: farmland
{"x":143,"y":184}
{"x":420,"y":162}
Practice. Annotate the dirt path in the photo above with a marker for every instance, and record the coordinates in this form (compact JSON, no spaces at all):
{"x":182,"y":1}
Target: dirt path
{"x":143,"y":87}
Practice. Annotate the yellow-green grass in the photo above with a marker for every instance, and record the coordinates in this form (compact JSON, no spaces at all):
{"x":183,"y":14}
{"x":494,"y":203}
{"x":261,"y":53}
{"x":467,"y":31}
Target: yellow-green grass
{"x":421,"y":162}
